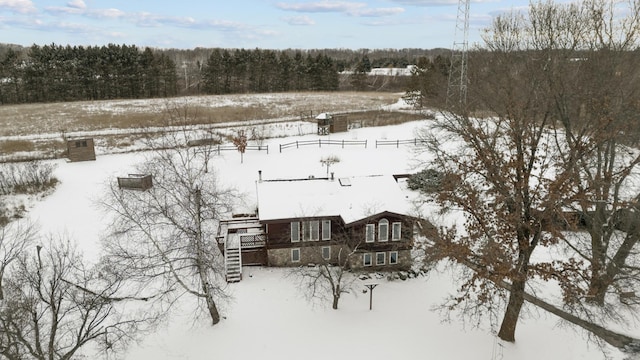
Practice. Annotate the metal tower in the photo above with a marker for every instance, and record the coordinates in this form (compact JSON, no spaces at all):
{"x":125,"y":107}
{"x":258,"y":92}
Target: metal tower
{"x":457,"y":87}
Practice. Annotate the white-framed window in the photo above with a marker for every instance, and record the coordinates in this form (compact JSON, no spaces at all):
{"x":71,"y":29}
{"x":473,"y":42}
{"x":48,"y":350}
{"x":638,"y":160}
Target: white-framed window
{"x":295,"y":255}
{"x":295,"y":231}
{"x":380,"y":258}
{"x":326,"y":252}
{"x":326,"y":229}
{"x":396,"y":231}
{"x":369,"y":235}
{"x":383,"y":230}
{"x":393,"y":257}
{"x":366,"y":259}
{"x":315,"y":230}
{"x":311,"y":230}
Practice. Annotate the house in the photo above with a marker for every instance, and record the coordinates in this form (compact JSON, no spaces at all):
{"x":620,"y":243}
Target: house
{"x":366,"y":219}
{"x":80,"y":149}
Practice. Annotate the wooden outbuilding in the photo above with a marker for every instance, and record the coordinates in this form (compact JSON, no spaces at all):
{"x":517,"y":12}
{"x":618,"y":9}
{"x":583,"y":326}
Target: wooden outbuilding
{"x":135,"y":182}
{"x":81,"y":149}
{"x":328,"y":123}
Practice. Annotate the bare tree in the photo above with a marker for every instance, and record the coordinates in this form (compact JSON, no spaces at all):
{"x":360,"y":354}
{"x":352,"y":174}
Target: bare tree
{"x":163,"y":237}
{"x":592,"y":76}
{"x":329,"y":277}
{"x":513,"y":172}
{"x":329,"y":161}
{"x":56,"y":306}
{"x":15,"y":237}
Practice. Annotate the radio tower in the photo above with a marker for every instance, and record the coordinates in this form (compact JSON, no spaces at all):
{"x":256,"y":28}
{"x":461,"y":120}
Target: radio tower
{"x":457,"y":88}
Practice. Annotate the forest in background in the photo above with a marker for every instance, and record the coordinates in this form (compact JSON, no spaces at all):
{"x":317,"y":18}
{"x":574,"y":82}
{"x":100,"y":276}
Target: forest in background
{"x":54,"y":73}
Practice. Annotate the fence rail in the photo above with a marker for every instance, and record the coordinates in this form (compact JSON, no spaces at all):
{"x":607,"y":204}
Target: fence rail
{"x":397,"y":143}
{"x":320,"y":142}
{"x":220,"y":148}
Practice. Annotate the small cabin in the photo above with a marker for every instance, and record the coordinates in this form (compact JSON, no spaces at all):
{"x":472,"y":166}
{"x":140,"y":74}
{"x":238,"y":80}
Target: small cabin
{"x":81,"y":149}
{"x":135,"y":182}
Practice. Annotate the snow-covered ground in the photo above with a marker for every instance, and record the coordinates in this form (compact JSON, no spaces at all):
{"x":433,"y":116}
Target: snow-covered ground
{"x":267,"y":317}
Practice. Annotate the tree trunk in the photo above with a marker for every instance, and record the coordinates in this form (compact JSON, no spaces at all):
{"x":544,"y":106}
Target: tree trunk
{"x":336,"y":297}
{"x":516,"y":300}
{"x":213,"y":309}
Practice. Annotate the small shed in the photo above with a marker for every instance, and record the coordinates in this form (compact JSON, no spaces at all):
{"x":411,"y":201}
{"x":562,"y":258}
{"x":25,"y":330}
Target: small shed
{"x":328,"y":123}
{"x":324,"y":123}
{"x":81,"y":149}
{"x":135,"y":182}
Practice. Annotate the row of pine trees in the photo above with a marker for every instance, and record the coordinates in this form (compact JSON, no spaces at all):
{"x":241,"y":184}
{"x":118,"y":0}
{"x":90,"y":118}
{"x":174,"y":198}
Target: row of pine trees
{"x":54,"y":73}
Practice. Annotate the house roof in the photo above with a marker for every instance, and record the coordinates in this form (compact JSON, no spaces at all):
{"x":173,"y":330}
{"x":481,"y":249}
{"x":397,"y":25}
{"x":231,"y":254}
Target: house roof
{"x":352,"y":198}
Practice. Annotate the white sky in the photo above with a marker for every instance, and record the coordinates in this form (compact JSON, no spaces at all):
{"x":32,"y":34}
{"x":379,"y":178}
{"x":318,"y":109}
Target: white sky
{"x":266,"y":24}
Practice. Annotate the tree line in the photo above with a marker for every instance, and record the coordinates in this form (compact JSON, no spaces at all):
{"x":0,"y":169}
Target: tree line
{"x":262,"y":71}
{"x":68,"y":73}
{"x":53,"y":72}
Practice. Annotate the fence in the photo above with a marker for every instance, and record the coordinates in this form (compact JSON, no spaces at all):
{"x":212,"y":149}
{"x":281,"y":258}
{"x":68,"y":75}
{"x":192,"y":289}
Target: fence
{"x":321,"y":142}
{"x":397,"y":143}
{"x":220,"y":148}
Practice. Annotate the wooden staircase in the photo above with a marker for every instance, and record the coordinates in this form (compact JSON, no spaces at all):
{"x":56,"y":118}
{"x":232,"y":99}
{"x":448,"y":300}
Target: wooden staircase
{"x":233,"y":264}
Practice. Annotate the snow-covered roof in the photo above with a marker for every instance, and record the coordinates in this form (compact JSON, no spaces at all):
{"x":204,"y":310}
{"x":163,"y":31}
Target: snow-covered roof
{"x":323,"y":116}
{"x":352,"y":198}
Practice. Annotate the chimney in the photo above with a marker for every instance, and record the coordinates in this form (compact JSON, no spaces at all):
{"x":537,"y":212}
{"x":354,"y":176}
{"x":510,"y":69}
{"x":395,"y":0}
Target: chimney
{"x":260,"y":175}
{"x":332,"y":176}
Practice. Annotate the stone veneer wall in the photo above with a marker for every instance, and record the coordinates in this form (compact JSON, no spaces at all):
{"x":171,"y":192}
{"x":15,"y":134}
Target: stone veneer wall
{"x":308,"y":255}
{"x":313,"y":255}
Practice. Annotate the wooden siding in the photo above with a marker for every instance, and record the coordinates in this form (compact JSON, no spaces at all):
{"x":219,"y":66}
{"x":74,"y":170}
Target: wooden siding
{"x":279,"y":232}
{"x":339,"y":123}
{"x":81,"y":150}
{"x":135,"y":182}
{"x":358,"y":233}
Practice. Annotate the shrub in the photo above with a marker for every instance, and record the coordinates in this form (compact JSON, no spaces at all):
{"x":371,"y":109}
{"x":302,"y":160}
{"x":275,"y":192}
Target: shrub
{"x":428,"y":181}
{"x":26,"y":177}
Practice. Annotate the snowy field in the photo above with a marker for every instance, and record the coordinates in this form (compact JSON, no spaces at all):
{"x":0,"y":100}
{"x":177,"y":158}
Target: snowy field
{"x":267,"y":317}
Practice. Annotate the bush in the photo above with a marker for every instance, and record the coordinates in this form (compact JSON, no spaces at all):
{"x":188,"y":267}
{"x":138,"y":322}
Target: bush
{"x":427,"y":181}
{"x":26,"y":177}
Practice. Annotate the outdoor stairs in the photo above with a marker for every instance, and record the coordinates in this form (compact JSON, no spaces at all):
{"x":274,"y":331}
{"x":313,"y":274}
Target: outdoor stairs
{"x":233,"y":265}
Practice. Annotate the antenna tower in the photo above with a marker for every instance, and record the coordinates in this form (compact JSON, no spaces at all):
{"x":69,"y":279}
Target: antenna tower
{"x":457,"y":88}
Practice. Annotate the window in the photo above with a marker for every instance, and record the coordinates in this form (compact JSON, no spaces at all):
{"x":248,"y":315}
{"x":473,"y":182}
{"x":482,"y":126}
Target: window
{"x":295,"y":255}
{"x":315,"y":230}
{"x":383,"y":230}
{"x":311,"y":230}
{"x":396,"y":231}
{"x":369,"y":233}
{"x":326,"y":229}
{"x":380,"y":258}
{"x":295,"y":231}
{"x":81,"y":143}
{"x":366,"y":259}
{"x":393,"y":257}
{"x":326,"y":252}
